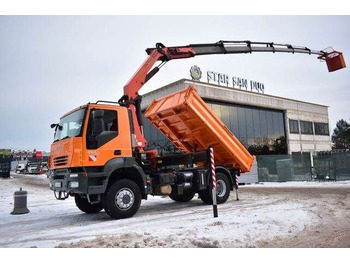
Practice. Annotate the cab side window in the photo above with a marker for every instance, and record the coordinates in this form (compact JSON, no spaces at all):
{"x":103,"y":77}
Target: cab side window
{"x":102,"y":128}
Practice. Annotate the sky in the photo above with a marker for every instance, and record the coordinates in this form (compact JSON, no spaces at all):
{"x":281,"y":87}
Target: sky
{"x":52,"y":64}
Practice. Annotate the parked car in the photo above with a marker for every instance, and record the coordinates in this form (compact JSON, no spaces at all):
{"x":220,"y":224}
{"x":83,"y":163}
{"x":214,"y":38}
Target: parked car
{"x":32,"y":168}
{"x":20,"y":168}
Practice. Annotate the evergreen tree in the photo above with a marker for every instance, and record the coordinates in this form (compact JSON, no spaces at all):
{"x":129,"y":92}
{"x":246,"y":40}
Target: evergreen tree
{"x":341,"y":135}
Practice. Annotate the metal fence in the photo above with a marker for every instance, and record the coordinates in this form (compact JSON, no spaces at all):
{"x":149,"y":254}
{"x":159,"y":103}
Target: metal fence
{"x":332,"y":165}
{"x":298,"y":167}
{"x":282,"y":168}
{"x":5,"y":166}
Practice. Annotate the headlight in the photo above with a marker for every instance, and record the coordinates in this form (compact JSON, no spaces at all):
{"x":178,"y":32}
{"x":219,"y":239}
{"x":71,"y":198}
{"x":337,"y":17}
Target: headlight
{"x":73,"y":184}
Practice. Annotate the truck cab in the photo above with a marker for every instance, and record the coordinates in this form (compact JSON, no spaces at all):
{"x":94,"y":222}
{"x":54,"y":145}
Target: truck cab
{"x":93,"y":147}
{"x":90,"y":135}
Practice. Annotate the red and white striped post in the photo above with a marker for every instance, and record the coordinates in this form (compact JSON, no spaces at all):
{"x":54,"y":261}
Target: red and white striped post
{"x":236,"y":185}
{"x":213,"y":178}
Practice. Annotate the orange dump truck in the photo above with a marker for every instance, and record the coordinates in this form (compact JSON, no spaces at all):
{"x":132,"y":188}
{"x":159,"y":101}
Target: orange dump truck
{"x":187,"y":121}
{"x":108,"y":174}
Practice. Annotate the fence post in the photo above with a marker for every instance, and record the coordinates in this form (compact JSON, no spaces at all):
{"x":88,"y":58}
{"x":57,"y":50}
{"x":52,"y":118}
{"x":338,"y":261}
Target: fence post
{"x":312,"y":165}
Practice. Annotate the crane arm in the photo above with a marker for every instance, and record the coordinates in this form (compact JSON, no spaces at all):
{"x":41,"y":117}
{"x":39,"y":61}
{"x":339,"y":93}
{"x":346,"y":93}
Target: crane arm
{"x":131,"y":98}
{"x":164,"y":54}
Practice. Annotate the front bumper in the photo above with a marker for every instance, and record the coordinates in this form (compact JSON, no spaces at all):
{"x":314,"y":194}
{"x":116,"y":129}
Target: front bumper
{"x":71,"y":182}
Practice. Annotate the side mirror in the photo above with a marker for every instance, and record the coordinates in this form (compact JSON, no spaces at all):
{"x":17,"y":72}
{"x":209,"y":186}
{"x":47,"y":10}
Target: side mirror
{"x":56,"y":126}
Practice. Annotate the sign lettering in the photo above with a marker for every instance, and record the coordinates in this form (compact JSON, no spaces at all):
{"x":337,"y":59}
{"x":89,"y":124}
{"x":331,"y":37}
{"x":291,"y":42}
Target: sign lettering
{"x":235,"y":82}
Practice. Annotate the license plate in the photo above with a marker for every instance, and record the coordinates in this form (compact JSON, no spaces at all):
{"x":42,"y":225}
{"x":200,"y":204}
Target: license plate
{"x":58,"y":184}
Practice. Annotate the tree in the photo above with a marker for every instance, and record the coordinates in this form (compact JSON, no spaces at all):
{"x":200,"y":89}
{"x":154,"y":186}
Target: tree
{"x":341,"y":135}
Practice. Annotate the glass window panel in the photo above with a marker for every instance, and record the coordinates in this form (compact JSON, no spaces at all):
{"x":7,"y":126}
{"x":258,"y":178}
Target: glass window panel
{"x":306,"y":127}
{"x":293,"y":126}
{"x":249,"y":122}
{"x":263,"y":123}
{"x":225,"y":115}
{"x":277,"y":124}
{"x":216,"y":110}
{"x":234,"y":120}
{"x":283,"y":124}
{"x":269,"y":123}
{"x":321,"y":129}
{"x":256,"y":120}
{"x":242,"y":126}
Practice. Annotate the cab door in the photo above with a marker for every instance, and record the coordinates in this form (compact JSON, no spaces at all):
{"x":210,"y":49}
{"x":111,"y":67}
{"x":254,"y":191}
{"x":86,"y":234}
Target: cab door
{"x":107,"y":135}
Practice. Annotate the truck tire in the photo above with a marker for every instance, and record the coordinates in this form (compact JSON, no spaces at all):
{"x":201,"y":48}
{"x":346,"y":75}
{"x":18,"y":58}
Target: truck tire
{"x":122,"y":199}
{"x":185,"y":197}
{"x":222,"y":190}
{"x":84,"y":205}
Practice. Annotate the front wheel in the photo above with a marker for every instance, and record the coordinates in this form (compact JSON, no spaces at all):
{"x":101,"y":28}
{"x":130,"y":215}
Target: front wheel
{"x":122,"y":199}
{"x":222,"y":190}
{"x":84,"y":205}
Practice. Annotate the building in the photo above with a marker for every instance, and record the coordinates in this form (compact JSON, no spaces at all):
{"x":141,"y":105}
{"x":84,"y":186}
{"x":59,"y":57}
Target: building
{"x":265,"y":124}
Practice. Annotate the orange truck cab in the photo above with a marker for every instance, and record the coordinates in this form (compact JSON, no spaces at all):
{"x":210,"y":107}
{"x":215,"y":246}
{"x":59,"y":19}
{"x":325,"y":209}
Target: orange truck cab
{"x":93,"y":145}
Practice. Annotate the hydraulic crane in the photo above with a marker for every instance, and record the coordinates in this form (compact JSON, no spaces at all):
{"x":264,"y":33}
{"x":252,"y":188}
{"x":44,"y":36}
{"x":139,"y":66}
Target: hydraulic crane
{"x":132,"y":99}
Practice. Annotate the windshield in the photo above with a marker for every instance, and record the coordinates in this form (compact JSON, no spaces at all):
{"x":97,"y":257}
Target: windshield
{"x":70,"y":126}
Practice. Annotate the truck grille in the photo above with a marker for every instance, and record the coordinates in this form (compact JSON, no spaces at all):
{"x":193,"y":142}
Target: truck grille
{"x":60,"y":161}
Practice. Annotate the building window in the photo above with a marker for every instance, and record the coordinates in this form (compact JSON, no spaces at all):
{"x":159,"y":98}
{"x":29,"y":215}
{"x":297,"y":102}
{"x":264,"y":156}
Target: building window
{"x":321,"y":129}
{"x":306,"y":128}
{"x":293,"y":126}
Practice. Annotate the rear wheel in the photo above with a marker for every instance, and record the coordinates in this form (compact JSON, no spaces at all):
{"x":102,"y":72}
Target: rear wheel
{"x":222,"y":190}
{"x":84,"y":205}
{"x":122,"y":199}
{"x":185,"y":197}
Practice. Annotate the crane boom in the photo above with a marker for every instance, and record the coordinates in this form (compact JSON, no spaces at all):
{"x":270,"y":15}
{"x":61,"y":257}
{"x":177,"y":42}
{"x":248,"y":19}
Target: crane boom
{"x":240,"y":47}
{"x":132,"y":99}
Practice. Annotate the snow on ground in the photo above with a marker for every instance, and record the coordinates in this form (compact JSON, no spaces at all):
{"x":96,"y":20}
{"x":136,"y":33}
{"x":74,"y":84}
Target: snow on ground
{"x":160,"y":222}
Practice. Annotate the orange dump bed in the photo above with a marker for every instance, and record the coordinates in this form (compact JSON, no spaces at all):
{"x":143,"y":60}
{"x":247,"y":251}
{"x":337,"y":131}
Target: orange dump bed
{"x":192,"y":126}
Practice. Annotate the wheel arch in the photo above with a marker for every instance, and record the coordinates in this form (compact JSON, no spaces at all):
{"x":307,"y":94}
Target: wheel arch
{"x":129,"y":173}
{"x":126,"y":168}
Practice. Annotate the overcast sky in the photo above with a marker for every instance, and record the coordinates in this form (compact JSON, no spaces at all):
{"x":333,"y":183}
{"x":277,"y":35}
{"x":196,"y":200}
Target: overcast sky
{"x":52,"y":64}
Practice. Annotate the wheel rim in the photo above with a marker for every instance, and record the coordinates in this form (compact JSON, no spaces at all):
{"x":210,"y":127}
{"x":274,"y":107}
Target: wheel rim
{"x":221,"y":188}
{"x":124,"y":199}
